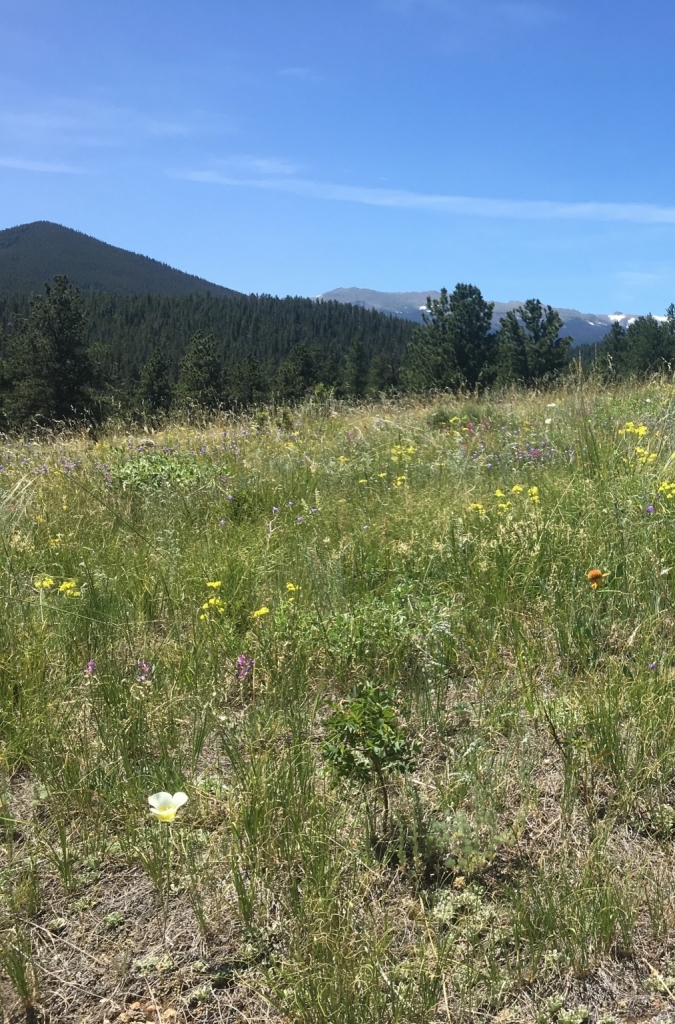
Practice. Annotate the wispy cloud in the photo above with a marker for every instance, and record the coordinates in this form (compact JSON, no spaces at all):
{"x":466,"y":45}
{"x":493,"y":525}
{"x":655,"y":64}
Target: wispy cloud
{"x":84,"y":123}
{"x":518,"y":209}
{"x":259,"y":165}
{"x":41,"y":166}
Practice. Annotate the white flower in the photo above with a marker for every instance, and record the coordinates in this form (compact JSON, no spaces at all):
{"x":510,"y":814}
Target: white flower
{"x":547,"y":421}
{"x":164,"y":806}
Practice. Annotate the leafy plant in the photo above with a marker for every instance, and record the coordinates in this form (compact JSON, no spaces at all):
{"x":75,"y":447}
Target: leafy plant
{"x":365,"y":743}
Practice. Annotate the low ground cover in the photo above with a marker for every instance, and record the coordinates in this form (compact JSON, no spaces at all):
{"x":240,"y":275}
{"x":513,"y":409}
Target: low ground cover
{"x":412,"y":666}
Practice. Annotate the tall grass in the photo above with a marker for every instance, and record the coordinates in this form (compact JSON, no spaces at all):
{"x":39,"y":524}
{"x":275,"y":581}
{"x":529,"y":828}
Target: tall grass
{"x":440,"y":549}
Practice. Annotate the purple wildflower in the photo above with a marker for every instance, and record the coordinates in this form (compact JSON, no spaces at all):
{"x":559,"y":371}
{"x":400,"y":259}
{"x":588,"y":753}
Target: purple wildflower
{"x":313,"y":511}
{"x":654,"y":666}
{"x":275,"y":509}
{"x":221,"y":522}
{"x":144,"y":671}
{"x":90,"y":669}
{"x":245,"y":665}
{"x":299,"y":519}
{"x":650,"y":509}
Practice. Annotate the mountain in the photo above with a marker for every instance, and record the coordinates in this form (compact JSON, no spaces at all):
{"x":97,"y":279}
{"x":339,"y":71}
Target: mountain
{"x":31,"y":254}
{"x":584,"y":328}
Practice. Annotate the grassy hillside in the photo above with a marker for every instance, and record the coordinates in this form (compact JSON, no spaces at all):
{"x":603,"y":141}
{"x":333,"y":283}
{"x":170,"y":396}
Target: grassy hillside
{"x":31,"y":254}
{"x":186,"y":611}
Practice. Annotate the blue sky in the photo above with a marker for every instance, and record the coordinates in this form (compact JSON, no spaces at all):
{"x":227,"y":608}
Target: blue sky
{"x":294,"y":146}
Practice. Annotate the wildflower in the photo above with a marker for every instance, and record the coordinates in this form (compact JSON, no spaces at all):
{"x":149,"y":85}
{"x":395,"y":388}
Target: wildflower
{"x":381,"y":475}
{"x":214,"y":603}
{"x":215,"y":585}
{"x":275,"y":509}
{"x":221,"y":522}
{"x":477,"y":507}
{"x":399,"y":481}
{"x":503,"y":506}
{"x":70,"y":589}
{"x":144,"y":671}
{"x":343,"y":459}
{"x":533,"y":494}
{"x":44,"y":582}
{"x":55,"y":541}
{"x":363,"y":480}
{"x":164,"y":806}
{"x":644,"y":456}
{"x":499,"y":493}
{"x":596,"y":577}
{"x":89,"y":669}
{"x":292,"y":587}
{"x":299,"y":519}
{"x":260,"y":612}
{"x":548,"y":421}
{"x":650,"y":509}
{"x":244,"y":666}
{"x":654,"y":666}
{"x":517,"y":489}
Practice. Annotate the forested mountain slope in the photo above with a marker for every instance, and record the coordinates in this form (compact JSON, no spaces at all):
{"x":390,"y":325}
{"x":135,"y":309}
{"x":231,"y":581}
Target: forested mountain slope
{"x":31,"y":254}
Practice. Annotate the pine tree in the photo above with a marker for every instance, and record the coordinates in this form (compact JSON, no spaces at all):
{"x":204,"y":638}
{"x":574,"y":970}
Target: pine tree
{"x":154,"y":388}
{"x":382,"y":376}
{"x":200,"y":378}
{"x":455,"y":347}
{"x":296,"y":376}
{"x":356,"y":369}
{"x":430,"y":358}
{"x":530,"y":348}
{"x":48,"y":375}
{"x":650,"y":347}
{"x":612,"y":351}
{"x":474,"y":341}
{"x":249,"y":384}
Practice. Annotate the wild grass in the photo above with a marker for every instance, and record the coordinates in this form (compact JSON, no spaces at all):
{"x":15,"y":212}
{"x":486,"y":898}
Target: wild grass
{"x":513,"y":863}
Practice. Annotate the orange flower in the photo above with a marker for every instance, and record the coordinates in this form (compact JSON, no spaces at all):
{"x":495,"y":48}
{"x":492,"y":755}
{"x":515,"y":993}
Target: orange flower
{"x":596,"y":577}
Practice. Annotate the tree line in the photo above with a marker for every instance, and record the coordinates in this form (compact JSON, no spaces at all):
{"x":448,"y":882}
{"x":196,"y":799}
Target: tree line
{"x":55,"y":368}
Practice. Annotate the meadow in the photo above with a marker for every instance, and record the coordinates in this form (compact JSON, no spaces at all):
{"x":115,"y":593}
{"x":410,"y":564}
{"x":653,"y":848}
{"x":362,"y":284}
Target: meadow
{"x":429,"y":760}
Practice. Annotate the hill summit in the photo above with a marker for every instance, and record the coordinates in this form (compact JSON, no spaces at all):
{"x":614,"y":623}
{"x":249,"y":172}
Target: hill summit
{"x":31,"y":254}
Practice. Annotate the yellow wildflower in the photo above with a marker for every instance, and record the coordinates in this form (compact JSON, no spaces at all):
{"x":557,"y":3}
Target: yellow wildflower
{"x":69,"y":588}
{"x":215,"y":585}
{"x":292,"y":587}
{"x":517,"y":489}
{"x":477,"y":507}
{"x":499,"y":493}
{"x":260,"y":612}
{"x":363,"y":480}
{"x":44,"y":582}
{"x":533,"y":493}
{"x":399,"y":481}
